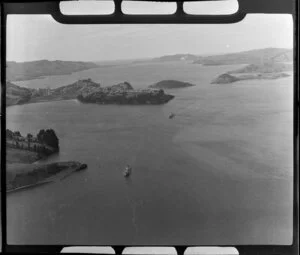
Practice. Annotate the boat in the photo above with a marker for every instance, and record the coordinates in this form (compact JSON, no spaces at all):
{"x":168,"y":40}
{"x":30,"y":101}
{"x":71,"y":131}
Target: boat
{"x":172,"y":115}
{"x":127,"y":171}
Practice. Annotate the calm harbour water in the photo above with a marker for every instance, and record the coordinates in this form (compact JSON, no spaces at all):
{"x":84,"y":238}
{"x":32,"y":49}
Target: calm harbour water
{"x":220,"y":172}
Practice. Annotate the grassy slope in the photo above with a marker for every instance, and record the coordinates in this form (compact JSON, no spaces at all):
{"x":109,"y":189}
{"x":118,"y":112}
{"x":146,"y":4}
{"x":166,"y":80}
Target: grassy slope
{"x":21,"y":173}
{"x":28,"y":175}
{"x":21,"y":156}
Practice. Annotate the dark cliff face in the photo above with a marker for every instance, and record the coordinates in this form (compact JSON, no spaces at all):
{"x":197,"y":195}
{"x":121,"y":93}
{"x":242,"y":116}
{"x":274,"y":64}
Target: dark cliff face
{"x":124,"y":93}
{"x":171,"y":84}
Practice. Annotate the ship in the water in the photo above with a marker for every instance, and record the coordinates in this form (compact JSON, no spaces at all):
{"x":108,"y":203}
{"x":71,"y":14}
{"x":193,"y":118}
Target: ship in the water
{"x":127,"y":171}
{"x":172,"y":115}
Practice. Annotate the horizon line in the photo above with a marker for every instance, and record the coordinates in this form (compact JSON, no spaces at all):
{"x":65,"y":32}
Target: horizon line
{"x":153,"y":57}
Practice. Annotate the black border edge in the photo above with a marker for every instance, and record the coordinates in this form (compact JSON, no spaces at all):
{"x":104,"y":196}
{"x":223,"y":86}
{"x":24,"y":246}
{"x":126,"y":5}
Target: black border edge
{"x":3,"y":128}
{"x":45,"y":8}
{"x":296,"y":131}
{"x":246,"y":6}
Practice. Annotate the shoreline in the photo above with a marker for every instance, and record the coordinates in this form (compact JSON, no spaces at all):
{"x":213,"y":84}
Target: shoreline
{"x":31,"y":175}
{"x":27,"y":186}
{"x":42,"y":101}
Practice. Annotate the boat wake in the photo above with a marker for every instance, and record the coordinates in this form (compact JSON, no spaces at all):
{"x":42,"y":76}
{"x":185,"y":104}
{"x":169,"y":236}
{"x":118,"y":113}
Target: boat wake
{"x":133,"y":205}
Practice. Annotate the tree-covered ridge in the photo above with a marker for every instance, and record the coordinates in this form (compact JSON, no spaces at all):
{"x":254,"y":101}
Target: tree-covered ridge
{"x":124,"y":93}
{"x":45,"y":142}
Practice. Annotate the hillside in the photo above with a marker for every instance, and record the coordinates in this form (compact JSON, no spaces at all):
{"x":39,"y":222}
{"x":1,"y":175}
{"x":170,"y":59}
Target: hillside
{"x":249,"y":57}
{"x":21,"y":176}
{"x":265,"y":68}
{"x":245,"y":57}
{"x":37,"y":69}
{"x":121,"y":86}
{"x":73,"y":90}
{"x":228,"y":78}
{"x":266,"y":71}
{"x":16,"y":94}
{"x":225,"y":79}
{"x":22,"y":154}
{"x":171,"y":84}
{"x":20,"y":95}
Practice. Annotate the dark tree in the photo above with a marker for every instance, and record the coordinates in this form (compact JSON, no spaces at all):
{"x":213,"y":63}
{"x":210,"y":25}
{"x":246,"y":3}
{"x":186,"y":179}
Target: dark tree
{"x":29,"y":137}
{"x":9,"y":134}
{"x":40,"y":135}
{"x":17,"y":133}
{"x":50,"y":138}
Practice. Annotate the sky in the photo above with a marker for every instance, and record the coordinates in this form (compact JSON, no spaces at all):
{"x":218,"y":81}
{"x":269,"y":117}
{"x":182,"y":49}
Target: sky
{"x":35,"y":37}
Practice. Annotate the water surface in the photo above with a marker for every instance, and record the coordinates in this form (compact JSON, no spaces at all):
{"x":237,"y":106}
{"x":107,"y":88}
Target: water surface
{"x":220,"y":172}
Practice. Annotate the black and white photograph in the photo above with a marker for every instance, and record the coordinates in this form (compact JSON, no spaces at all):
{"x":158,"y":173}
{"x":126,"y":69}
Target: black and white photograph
{"x":149,"y":134}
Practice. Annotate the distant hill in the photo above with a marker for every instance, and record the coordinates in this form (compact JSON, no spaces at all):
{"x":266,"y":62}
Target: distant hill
{"x":171,"y":84}
{"x":271,"y":67}
{"x":228,"y":78}
{"x":37,"y":69}
{"x":249,"y":57}
{"x":176,"y":57}
{"x":266,"y":71}
{"x":244,"y":57}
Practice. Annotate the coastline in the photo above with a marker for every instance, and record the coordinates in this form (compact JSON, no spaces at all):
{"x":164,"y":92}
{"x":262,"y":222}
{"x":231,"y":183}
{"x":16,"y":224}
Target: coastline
{"x":42,"y":101}
{"x":23,"y":155}
{"x":31,"y":175}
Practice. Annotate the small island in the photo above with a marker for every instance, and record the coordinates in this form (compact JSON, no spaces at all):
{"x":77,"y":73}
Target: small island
{"x":123,"y":93}
{"x":225,"y":79}
{"x":171,"y":84}
{"x":22,"y":154}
